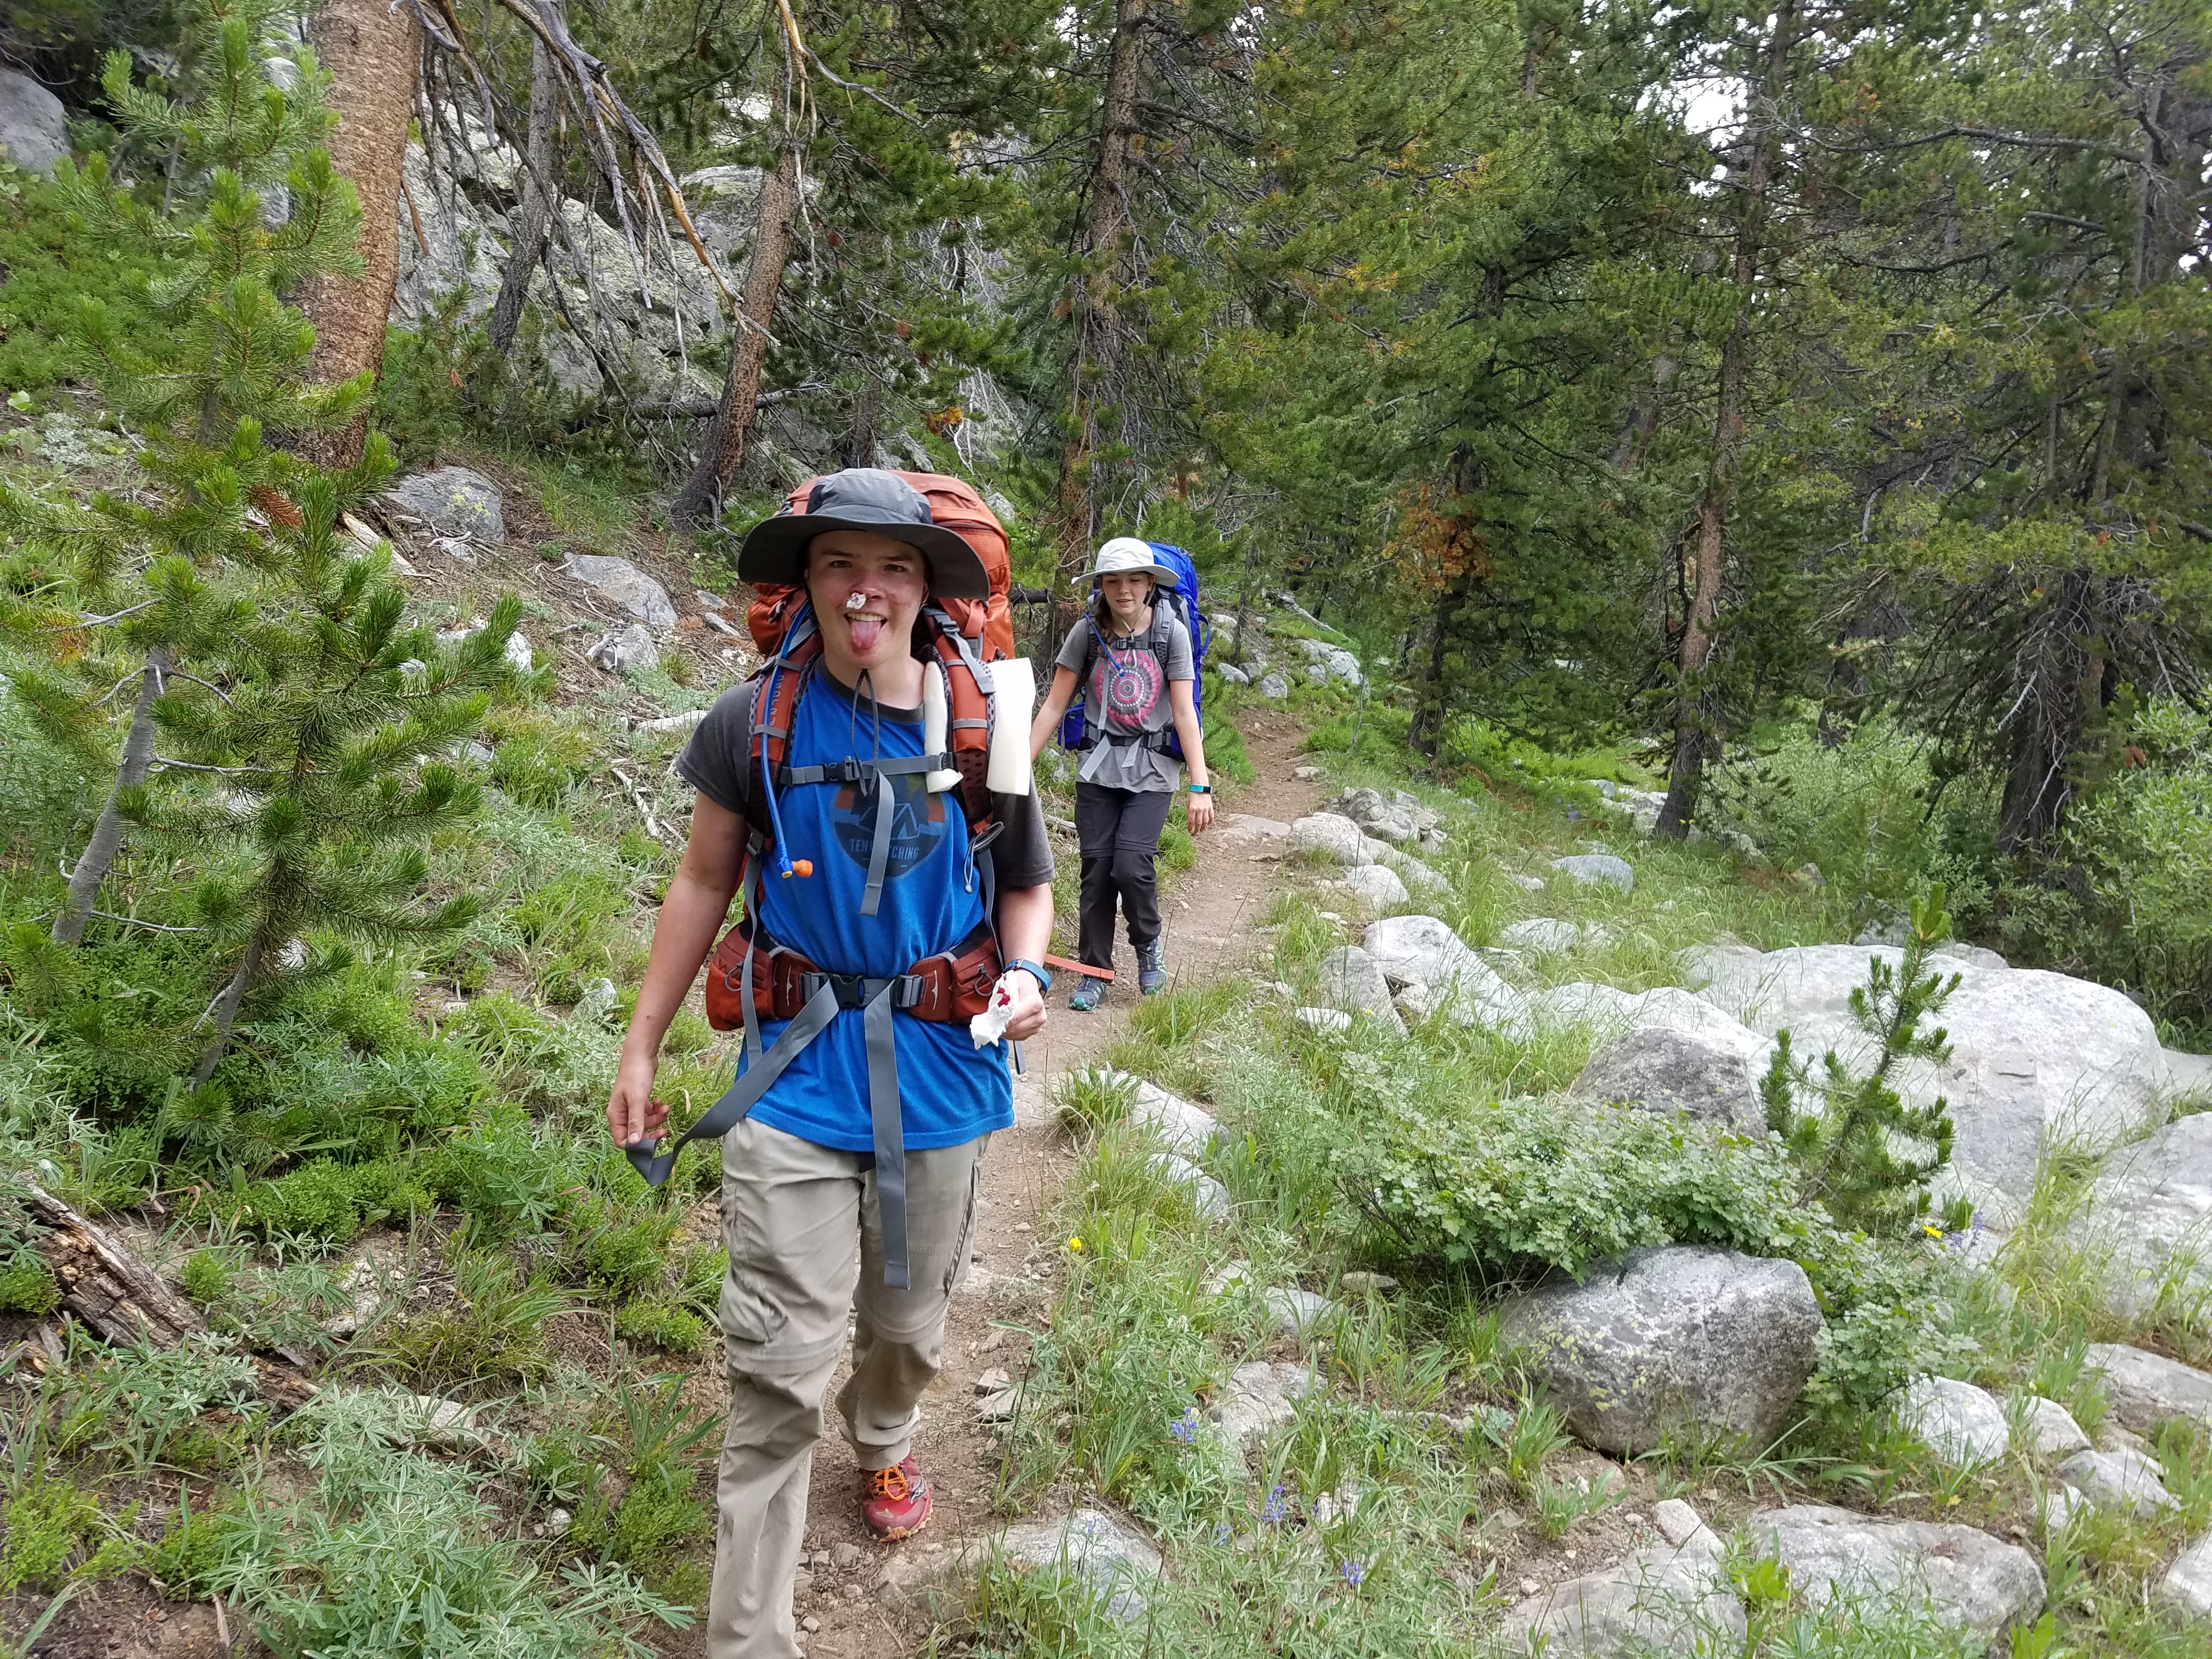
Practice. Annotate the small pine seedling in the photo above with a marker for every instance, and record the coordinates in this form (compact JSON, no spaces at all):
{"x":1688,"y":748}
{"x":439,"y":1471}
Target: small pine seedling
{"x":1866,"y":1154}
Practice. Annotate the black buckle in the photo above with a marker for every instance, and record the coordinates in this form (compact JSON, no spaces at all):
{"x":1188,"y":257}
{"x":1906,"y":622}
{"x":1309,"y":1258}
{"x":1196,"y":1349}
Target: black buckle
{"x":854,"y":990}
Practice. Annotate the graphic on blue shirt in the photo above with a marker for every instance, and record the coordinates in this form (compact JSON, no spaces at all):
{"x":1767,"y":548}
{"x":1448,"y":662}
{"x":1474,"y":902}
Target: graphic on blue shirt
{"x":950,"y":1091}
{"x":917,"y":822}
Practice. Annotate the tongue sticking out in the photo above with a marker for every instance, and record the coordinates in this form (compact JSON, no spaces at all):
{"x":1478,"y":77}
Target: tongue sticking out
{"x":863,"y":632}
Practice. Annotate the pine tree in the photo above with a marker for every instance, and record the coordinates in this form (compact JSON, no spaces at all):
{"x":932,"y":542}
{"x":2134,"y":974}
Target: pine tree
{"x":1866,"y":1154}
{"x":250,"y":210}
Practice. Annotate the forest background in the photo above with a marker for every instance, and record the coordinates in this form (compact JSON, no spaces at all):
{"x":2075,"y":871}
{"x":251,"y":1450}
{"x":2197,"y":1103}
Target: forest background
{"x":1799,"y":411}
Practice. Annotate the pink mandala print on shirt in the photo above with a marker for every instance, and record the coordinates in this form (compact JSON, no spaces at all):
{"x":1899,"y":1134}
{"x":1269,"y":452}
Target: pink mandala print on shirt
{"x":1129,"y":684}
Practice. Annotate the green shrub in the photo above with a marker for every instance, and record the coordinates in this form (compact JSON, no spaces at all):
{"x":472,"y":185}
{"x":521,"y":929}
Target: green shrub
{"x":26,"y":1285}
{"x":494,"y":1329}
{"x":663,"y":1324}
{"x":51,"y":268}
{"x":500,"y":1174}
{"x":44,"y":1521}
{"x":207,"y":1276}
{"x":331,"y":1201}
{"x":621,"y":1252}
{"x":539,"y":758}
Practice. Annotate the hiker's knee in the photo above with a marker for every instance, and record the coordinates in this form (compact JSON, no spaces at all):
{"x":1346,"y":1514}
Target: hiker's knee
{"x":1132,"y":868}
{"x":778,"y":1416}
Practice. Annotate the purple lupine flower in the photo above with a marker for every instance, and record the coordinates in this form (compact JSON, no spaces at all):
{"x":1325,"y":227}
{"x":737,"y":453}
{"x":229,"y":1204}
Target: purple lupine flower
{"x":1354,"y":1571}
{"x":1221,"y":1534}
{"x":1185,"y":1428}
{"x":1277,"y":1508}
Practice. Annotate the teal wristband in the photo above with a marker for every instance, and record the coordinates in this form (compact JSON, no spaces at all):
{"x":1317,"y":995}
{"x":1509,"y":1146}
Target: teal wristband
{"x":1201,"y":789}
{"x":1035,"y":971}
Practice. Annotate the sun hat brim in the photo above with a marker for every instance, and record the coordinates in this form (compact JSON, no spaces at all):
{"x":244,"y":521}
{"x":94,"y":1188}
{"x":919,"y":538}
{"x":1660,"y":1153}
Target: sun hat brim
{"x":1105,"y":563}
{"x":774,"y":551}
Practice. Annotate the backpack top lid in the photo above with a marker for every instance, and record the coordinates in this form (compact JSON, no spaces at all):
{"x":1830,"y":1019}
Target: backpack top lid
{"x":954,"y":504}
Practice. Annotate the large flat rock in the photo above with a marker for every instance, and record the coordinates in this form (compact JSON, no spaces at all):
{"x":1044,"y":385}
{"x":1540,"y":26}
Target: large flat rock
{"x":34,"y":129}
{"x":2148,"y":1218}
{"x":1966,"y":1578}
{"x":2035,"y":1055}
{"x":1673,"y":1338}
{"x":2147,"y":1389}
{"x":1705,"y":1074}
{"x":1670,"y":1598}
{"x":1422,"y":951}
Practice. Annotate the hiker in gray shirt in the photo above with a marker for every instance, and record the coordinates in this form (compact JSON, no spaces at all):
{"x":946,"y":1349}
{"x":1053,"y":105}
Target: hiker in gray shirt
{"x":1132,"y":660}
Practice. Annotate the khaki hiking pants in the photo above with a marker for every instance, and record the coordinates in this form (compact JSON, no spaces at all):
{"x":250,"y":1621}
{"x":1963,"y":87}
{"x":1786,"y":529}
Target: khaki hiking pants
{"x":807,"y":1250}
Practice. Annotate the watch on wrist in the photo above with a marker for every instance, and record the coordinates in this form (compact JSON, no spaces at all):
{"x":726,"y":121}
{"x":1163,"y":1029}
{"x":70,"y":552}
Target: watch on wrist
{"x":1034,"y":969}
{"x":1201,"y":789}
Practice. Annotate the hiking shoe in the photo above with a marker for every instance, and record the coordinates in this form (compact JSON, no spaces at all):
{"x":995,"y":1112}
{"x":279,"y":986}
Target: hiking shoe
{"x":1152,"y":969}
{"x":895,"y":1502}
{"x":1088,"y":992}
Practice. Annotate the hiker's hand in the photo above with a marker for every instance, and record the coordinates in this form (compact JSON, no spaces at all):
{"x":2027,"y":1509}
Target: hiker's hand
{"x":634,"y":1116}
{"x":1028,"y":996}
{"x":1200,"y":813}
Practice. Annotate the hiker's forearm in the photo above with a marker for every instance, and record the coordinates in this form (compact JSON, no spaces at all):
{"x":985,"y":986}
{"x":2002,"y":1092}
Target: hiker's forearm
{"x":1025,"y":922}
{"x":1190,"y":730}
{"x":698,"y":898}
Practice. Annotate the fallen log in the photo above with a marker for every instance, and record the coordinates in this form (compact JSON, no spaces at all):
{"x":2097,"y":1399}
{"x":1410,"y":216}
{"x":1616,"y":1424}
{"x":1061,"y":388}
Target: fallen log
{"x":119,"y":1298}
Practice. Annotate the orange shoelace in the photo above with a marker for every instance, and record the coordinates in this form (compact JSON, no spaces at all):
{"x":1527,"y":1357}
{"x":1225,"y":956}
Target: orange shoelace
{"x":890,"y":1483}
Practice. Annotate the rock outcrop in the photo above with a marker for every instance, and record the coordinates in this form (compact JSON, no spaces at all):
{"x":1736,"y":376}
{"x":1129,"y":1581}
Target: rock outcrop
{"x":2149,"y":1218}
{"x":33,"y":132}
{"x":1672,"y":1338}
{"x":1667,"y":1598}
{"x":1661,"y":1068}
{"x":1966,"y":1578}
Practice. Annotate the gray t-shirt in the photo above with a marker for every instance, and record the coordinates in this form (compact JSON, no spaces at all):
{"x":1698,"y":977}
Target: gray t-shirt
{"x":1126,"y":697}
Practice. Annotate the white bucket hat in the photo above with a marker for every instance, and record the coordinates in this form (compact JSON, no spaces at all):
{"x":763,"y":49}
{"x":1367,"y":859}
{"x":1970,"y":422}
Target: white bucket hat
{"x":1127,"y":553}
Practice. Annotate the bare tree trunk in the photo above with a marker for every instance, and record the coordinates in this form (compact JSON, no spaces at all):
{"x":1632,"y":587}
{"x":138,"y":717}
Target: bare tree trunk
{"x":226,"y":1009}
{"x":372,"y":49}
{"x":99,"y":855}
{"x":724,"y":448}
{"x":1425,"y":736}
{"x":1099,"y":345}
{"x":1686,"y":774}
{"x":867,"y":421}
{"x":533,"y":212}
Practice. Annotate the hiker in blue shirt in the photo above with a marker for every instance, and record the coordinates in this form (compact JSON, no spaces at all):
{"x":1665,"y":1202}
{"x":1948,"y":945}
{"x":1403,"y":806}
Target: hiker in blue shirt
{"x":855,"y":1129}
{"x":1133,"y":661}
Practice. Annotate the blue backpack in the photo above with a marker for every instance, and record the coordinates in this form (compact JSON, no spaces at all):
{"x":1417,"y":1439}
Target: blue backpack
{"x":1182,"y":602}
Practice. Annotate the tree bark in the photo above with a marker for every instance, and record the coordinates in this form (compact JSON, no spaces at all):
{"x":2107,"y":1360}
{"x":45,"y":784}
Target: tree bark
{"x":534,"y":209}
{"x":1100,"y":348}
{"x":103,"y":1282}
{"x":724,"y":452}
{"x":226,"y":1008}
{"x":1424,"y":735}
{"x":1686,"y":775}
{"x":867,"y":421}
{"x":372,"y":49}
{"x":99,"y":855}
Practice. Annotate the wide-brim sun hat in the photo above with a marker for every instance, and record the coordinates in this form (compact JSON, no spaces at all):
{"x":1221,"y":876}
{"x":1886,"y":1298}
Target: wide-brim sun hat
{"x":863,"y":498}
{"x":1125,"y":553}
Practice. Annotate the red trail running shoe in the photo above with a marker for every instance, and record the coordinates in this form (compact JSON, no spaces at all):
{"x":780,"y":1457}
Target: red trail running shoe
{"x":895,"y":1502}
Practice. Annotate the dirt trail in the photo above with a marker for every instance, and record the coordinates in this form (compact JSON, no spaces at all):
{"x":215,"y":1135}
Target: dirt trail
{"x":1211,"y":913}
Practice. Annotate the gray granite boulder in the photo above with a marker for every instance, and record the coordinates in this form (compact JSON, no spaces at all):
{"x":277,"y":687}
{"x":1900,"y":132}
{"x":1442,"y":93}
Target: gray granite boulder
{"x":1959,"y":1423}
{"x":453,"y":500}
{"x":1179,"y":1125}
{"x":1601,"y":869}
{"x":2187,"y":1586}
{"x":2125,"y":1481}
{"x":34,"y":133}
{"x":1547,"y":934}
{"x":2149,"y":1218}
{"x":2049,"y":1428}
{"x":1208,"y":1196}
{"x":1274,"y":687}
{"x":2034,"y":1055}
{"x":625,"y":648}
{"x":627,"y":586}
{"x":1424,"y":950}
{"x":2147,"y":1389}
{"x":1661,"y":1069}
{"x":1675,"y":1337}
{"x":1351,"y":979}
{"x":1118,"y":1563}
{"x":1669,"y":1598}
{"x":1333,"y":835}
{"x":1966,"y":1578}
{"x":1375,"y":886}
{"x":1260,"y":1398}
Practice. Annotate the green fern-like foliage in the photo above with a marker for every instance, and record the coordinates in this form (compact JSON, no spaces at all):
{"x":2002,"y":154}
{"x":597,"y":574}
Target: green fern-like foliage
{"x":1866,"y":1154}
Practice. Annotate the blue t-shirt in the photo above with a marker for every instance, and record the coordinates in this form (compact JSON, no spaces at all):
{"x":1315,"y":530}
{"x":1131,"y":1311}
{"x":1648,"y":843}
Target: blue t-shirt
{"x":950,"y":1091}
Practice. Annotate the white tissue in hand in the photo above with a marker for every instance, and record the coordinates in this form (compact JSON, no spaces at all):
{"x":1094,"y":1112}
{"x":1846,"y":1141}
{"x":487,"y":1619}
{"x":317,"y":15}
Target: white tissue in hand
{"x":990,"y":1025}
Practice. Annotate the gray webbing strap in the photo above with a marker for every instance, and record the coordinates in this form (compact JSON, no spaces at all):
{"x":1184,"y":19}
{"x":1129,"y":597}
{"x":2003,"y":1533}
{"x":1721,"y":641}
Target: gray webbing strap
{"x":891,"y":1135}
{"x":726,"y":1114}
{"x":749,"y":886}
{"x":879,"y":851}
